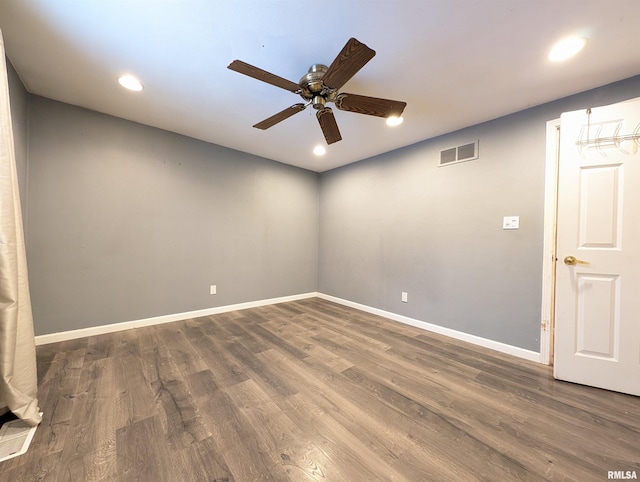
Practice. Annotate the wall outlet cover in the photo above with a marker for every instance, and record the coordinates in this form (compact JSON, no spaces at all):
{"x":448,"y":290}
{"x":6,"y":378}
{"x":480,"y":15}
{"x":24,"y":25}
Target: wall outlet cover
{"x":511,"y":222}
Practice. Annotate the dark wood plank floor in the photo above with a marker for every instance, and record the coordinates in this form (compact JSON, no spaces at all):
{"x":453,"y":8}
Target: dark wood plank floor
{"x":314,"y":391}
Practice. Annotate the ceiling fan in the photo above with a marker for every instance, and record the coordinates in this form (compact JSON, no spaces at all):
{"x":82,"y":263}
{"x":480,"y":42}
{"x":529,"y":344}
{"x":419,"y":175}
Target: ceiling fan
{"x":321,"y":85}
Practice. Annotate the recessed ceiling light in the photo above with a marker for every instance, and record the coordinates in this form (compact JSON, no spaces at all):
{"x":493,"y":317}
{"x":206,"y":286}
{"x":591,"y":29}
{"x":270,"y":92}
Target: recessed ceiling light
{"x":566,"y":48}
{"x":319,"y":150}
{"x":130,"y":82}
{"x":394,"y":120}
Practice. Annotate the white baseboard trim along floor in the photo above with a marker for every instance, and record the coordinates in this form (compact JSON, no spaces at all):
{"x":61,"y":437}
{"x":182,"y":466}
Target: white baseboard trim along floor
{"x":476,"y":340}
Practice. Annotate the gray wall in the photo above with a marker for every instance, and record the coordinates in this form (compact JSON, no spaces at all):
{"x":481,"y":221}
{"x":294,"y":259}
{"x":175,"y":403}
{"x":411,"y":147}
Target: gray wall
{"x":128,"y":222}
{"x":19,"y":120}
{"x":397,"y":222}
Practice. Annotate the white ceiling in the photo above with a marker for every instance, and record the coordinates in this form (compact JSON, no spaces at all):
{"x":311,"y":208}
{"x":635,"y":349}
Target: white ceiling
{"x":455,"y":62}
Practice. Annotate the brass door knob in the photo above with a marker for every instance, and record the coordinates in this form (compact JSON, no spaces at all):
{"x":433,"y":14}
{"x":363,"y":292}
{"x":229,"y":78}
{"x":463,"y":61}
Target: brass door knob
{"x":572,"y":261}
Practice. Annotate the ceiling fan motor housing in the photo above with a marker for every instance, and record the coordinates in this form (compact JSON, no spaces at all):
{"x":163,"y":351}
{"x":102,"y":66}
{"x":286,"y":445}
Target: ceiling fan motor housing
{"x":312,"y":87}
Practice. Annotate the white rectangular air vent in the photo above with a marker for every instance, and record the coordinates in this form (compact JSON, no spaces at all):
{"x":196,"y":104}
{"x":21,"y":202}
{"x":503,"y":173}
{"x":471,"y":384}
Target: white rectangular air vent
{"x":466,"y":152}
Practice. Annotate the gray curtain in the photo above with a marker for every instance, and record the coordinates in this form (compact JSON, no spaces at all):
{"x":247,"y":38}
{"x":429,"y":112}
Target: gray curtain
{"x":18,"y":376}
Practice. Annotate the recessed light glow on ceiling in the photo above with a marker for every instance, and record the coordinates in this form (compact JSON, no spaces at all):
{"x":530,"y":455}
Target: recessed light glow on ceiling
{"x":566,"y":48}
{"x":130,"y":82}
{"x":394,"y":120}
{"x":319,"y":151}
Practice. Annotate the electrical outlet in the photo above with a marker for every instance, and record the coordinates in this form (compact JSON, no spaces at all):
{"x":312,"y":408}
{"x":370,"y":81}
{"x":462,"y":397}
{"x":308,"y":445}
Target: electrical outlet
{"x":213,"y":289}
{"x":511,"y":222}
{"x":405,"y":297}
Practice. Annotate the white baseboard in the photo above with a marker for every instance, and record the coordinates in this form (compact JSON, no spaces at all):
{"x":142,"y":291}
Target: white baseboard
{"x":458,"y":335}
{"x":157,"y":320}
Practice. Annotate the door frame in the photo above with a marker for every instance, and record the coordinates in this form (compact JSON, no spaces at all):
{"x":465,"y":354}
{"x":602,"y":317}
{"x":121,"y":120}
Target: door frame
{"x":547,"y":312}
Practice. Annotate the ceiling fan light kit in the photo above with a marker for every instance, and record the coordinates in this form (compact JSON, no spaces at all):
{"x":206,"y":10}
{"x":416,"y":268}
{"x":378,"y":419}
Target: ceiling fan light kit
{"x":321,"y":84}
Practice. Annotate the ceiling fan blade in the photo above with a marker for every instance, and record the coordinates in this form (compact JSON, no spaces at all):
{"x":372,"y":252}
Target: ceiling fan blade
{"x":280,"y":116}
{"x":263,"y":75}
{"x":328,"y":125}
{"x":362,"y":104}
{"x":353,"y":56}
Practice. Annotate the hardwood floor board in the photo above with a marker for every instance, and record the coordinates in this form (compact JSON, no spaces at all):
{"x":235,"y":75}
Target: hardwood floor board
{"x":124,"y":343}
{"x":134,"y":397}
{"x":44,"y":358}
{"x":318,"y":307}
{"x":615,"y":441}
{"x":348,"y":457}
{"x":224,"y":369}
{"x":82,"y":424}
{"x":275,"y":314}
{"x":435,"y":372}
{"x":74,"y":344}
{"x":192,"y":328}
{"x":139,"y":458}
{"x":73,"y":468}
{"x":261,"y":371}
{"x":553,"y":414}
{"x":200,"y":461}
{"x":202,"y":383}
{"x":594,"y":450}
{"x":442,"y":432}
{"x":207,"y":456}
{"x":101,"y":463}
{"x":378,"y":328}
{"x":277,"y":435}
{"x":280,"y":343}
{"x":231,"y":315}
{"x":585,"y":399}
{"x":328,"y":357}
{"x":317,"y":321}
{"x":402,"y":341}
{"x":236,"y":439}
{"x":290,"y":327}
{"x":386,"y":433}
{"x":348,"y":349}
{"x":148,"y":337}
{"x":376,"y":367}
{"x":254,"y":316}
{"x":529,"y":376}
{"x":340,"y":316}
{"x":177,"y":410}
{"x":215,"y":325}
{"x":285,"y":309}
{"x":57,"y":397}
{"x":240,"y":329}
{"x":40,"y":469}
{"x":58,"y":394}
{"x":492,"y":420}
{"x":569,"y":453}
{"x":148,"y":341}
{"x":99,"y":347}
{"x":182,"y":353}
{"x":541,"y":380}
{"x":563,"y":402}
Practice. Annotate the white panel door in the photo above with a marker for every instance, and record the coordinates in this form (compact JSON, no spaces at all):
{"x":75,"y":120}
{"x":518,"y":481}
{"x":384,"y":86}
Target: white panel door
{"x":597,"y":315}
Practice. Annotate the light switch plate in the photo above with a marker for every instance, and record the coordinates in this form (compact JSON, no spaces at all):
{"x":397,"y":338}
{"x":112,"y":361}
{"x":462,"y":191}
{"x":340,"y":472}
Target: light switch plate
{"x":511,"y":222}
